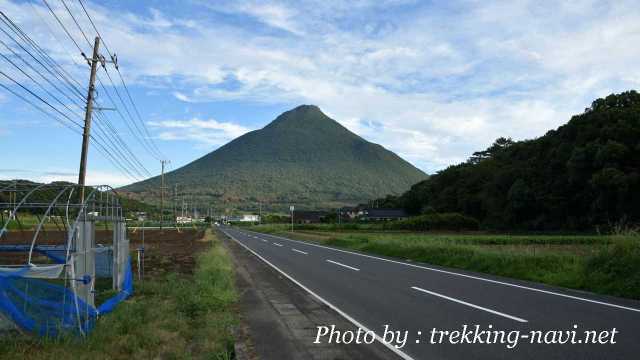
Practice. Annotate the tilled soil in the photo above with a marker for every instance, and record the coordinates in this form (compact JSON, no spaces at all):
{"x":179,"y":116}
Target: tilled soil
{"x":165,"y":251}
{"x":169,"y":250}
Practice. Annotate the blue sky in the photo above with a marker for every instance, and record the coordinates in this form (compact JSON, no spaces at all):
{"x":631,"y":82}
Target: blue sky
{"x":431,"y":80}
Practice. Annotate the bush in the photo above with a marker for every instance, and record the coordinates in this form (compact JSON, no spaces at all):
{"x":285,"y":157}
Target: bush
{"x":443,"y":221}
{"x":614,"y":270}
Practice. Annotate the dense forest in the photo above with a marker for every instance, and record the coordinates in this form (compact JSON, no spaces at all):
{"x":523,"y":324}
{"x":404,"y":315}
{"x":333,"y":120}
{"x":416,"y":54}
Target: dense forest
{"x":583,"y":176}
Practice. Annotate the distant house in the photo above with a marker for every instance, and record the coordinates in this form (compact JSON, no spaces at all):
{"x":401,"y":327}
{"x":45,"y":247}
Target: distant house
{"x":308,"y":217}
{"x":383,"y":214}
{"x":349,"y":213}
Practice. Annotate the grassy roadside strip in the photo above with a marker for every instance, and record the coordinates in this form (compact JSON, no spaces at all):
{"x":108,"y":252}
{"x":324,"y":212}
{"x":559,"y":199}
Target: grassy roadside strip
{"x":174,"y":316}
{"x":603,"y":264}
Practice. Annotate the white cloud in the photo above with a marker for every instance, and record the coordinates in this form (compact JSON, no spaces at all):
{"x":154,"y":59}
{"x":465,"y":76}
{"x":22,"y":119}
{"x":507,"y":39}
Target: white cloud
{"x":432,"y":83}
{"x":206,"y":133}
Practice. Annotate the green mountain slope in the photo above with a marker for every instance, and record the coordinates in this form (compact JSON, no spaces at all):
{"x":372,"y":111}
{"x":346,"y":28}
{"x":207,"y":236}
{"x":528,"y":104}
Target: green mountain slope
{"x":582,"y":176}
{"x":302,"y":157}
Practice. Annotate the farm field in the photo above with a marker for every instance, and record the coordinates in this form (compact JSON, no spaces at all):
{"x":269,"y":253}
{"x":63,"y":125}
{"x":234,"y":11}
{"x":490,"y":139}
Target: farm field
{"x":183,"y":308}
{"x":605,"y":264}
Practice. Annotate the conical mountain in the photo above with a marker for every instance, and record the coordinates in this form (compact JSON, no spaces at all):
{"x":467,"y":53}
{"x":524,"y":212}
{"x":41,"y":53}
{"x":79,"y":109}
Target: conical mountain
{"x":303,"y":157}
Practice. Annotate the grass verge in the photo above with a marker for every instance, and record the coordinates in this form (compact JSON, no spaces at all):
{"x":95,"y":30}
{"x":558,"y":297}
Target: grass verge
{"x":173,"y":316}
{"x":601,"y":264}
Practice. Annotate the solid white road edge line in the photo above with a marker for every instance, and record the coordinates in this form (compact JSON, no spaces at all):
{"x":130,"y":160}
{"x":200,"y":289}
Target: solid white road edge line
{"x":343,"y":265}
{"x":470,"y":304}
{"x":300,"y":251}
{"x":548,"y":292}
{"x":326,"y":302}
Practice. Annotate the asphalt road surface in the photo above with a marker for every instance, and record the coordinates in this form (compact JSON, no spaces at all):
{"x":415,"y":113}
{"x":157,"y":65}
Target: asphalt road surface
{"x":415,"y":298}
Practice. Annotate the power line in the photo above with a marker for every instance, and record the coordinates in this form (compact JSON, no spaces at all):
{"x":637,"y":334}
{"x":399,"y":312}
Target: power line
{"x":38,"y":97}
{"x":62,"y":44}
{"x":63,"y":27}
{"x":101,"y":148}
{"x":146,"y":135}
{"x":46,"y":68}
{"x":142,"y":139}
{"x":108,"y":140}
{"x":123,"y":145}
{"x":23,"y":98}
{"x":116,"y":141}
{"x":109,"y":143}
{"x":95,"y":28}
{"x":33,"y":80}
{"x":161,"y":155}
{"x":76,"y":22}
{"x":43,"y":54}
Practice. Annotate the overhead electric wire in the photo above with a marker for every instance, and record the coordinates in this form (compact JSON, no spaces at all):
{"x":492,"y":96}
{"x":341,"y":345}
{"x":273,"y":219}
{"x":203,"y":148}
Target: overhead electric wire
{"x":108,"y":140}
{"x":63,"y":27}
{"x":144,"y":126}
{"x":77,"y":24}
{"x":130,"y":156}
{"x":34,"y":58}
{"x":34,"y":80}
{"x":96,"y":139}
{"x":38,"y":97}
{"x":22,"y":70}
{"x":95,"y":28}
{"x":25,"y":99}
{"x":117,"y":142}
{"x":62,"y":44}
{"x":141,"y":138}
{"x":88,"y":42}
{"x":62,"y":73}
{"x":111,"y":142}
{"x":146,"y":135}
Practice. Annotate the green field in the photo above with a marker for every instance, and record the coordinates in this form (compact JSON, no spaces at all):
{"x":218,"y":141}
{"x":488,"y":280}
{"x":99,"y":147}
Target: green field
{"x":173,"y":316}
{"x":606,"y":264}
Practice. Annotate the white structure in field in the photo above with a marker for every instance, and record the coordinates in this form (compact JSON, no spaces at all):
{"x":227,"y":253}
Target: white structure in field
{"x":244,"y":218}
{"x":184,"y":220}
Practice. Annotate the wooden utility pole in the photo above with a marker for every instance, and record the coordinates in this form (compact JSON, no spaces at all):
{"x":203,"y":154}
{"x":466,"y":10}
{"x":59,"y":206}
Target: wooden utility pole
{"x":162,"y":162}
{"x":175,"y":204}
{"x":86,"y":134}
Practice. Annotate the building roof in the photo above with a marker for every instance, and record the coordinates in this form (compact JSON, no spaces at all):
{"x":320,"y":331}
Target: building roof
{"x":385,"y":213}
{"x":308,"y":215}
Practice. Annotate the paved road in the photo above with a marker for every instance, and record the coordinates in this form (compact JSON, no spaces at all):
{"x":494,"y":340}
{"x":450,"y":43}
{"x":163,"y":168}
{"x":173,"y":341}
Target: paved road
{"x":374,"y":291}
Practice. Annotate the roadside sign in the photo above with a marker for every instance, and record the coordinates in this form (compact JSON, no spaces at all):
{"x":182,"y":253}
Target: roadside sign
{"x":291,"y":208}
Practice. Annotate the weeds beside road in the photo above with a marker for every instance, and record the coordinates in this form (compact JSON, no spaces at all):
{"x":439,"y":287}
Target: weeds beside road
{"x":602,"y":264}
{"x":171,"y":315}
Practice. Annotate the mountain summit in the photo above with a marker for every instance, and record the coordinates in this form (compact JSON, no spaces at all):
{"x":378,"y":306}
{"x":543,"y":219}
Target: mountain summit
{"x":303,"y":157}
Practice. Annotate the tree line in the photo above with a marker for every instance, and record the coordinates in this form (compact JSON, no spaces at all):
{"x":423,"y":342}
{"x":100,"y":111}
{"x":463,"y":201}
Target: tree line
{"x":582,"y":176}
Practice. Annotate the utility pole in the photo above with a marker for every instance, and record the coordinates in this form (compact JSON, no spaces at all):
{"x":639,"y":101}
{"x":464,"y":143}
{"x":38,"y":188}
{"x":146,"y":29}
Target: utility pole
{"x":292,"y":209}
{"x":175,"y":204}
{"x":162,"y":162}
{"x":87,"y":118}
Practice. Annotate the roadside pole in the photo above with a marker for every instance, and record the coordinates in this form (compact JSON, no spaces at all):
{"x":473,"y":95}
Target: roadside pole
{"x":292,"y":208}
{"x":163,"y":162}
{"x":86,"y":133}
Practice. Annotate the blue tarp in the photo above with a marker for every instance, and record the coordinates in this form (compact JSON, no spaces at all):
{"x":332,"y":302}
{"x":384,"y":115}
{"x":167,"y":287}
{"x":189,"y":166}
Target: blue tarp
{"x":49,"y":309}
